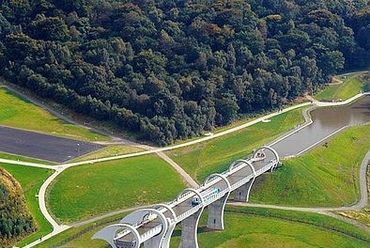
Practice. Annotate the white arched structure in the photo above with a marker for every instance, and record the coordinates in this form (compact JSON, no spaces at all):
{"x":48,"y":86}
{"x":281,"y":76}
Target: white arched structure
{"x":169,"y":209}
{"x":189,"y":225}
{"x":171,"y":225}
{"x":163,"y":224}
{"x":154,"y":226}
{"x":190,"y":190}
{"x":217,"y":175}
{"x":242,"y":193}
{"x":217,"y":208}
{"x":110,"y":233}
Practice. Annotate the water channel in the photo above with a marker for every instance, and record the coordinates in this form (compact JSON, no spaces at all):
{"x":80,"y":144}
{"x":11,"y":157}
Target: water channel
{"x":326,"y":122}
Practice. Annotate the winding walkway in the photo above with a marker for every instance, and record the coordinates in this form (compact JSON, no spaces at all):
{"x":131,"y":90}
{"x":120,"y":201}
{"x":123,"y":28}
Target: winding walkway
{"x":57,"y":228}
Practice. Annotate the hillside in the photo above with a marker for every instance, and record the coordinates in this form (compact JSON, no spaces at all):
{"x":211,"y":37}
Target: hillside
{"x":15,"y":220}
{"x":169,"y":70}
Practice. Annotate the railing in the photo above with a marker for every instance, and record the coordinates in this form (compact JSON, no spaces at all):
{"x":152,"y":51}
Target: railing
{"x":208,"y":198}
{"x":151,"y":233}
{"x":241,"y":182}
{"x":185,"y":215}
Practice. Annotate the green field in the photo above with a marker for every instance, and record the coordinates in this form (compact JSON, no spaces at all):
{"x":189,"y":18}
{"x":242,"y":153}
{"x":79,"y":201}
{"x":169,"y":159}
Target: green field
{"x":204,"y":158}
{"x":245,"y":227}
{"x":351,"y":86}
{"x":325,"y":176}
{"x":262,"y":228}
{"x":84,"y":191}
{"x":81,"y":236}
{"x":363,"y":215}
{"x":31,"y":180}
{"x":15,"y":157}
{"x":20,"y":113}
{"x":109,"y":151}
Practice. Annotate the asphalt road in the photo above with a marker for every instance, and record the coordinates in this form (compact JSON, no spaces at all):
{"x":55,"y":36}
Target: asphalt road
{"x":42,"y":146}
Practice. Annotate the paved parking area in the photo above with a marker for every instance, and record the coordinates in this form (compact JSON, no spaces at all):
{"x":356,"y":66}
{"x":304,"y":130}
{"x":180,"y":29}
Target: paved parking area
{"x":42,"y":146}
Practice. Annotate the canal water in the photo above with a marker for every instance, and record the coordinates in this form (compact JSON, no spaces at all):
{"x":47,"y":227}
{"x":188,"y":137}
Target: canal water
{"x":326,"y":121}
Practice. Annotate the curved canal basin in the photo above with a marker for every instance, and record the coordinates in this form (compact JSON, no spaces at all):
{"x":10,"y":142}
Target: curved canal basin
{"x":326,"y":121}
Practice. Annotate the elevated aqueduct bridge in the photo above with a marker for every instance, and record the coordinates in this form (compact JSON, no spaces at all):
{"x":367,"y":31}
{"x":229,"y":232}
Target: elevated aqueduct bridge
{"x":153,"y":227}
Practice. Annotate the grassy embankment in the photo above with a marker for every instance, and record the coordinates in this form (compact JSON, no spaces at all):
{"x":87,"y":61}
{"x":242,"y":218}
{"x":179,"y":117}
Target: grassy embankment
{"x":31,"y":180}
{"x":325,"y":176}
{"x":363,"y":215}
{"x":352,"y":85}
{"x":15,"y":157}
{"x":84,"y":191}
{"x":19,"y":113}
{"x":245,"y":227}
{"x":112,"y":150}
{"x":202,"y":159}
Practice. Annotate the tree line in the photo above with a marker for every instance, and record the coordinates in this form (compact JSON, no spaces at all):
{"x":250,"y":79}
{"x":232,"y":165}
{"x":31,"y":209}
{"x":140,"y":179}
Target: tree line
{"x":15,"y":220}
{"x":171,"y":69}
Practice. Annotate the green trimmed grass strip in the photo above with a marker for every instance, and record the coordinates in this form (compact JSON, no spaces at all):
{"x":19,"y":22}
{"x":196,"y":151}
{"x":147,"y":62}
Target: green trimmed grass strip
{"x":20,"y":113}
{"x":15,"y":157}
{"x":325,"y":176}
{"x":244,"y":227}
{"x":202,"y":159}
{"x":84,"y":191}
{"x":31,"y":180}
{"x":112,"y":150}
{"x":81,"y":236}
{"x":350,"y":87}
{"x":268,"y":228}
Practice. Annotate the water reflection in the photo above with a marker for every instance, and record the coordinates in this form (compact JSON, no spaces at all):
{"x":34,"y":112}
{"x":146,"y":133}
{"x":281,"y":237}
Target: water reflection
{"x":326,"y":121}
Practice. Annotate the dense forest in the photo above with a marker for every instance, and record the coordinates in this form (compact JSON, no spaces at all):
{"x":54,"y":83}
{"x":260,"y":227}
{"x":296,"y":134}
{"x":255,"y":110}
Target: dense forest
{"x":15,"y":220}
{"x":170,"y":69}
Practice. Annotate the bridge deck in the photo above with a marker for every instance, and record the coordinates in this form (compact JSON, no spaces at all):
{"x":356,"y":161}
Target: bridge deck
{"x":189,"y":203}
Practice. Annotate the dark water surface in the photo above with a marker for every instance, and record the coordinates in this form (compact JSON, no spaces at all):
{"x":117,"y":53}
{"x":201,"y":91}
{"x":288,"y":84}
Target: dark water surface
{"x":326,"y":121}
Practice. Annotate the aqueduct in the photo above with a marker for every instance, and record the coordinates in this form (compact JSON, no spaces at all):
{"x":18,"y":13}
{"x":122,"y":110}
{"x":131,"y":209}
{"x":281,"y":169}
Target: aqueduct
{"x":153,"y":227}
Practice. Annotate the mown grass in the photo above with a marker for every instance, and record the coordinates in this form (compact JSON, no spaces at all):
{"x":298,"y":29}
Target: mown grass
{"x":215,"y":155}
{"x":84,"y":191}
{"x":325,"y":176}
{"x":31,"y":180}
{"x":245,"y":227}
{"x":108,"y":151}
{"x":20,"y":113}
{"x":363,"y":215}
{"x":15,"y":157}
{"x":351,"y":86}
{"x":81,"y":236}
{"x":262,"y":228}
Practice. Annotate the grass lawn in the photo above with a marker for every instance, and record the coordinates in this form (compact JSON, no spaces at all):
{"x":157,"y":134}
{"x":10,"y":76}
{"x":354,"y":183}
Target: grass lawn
{"x":31,"y":180}
{"x":84,"y":191}
{"x":215,"y":155}
{"x":351,"y":86}
{"x":20,"y":113}
{"x":245,"y":227}
{"x":263,"y":228}
{"x":325,"y":176}
{"x":362,"y":216}
{"x":81,"y":236}
{"x":108,"y":151}
{"x":10,"y":156}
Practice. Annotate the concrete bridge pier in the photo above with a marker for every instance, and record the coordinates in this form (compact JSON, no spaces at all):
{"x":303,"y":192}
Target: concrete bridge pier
{"x":153,"y":242}
{"x":216,"y":214}
{"x":167,"y":237}
{"x":189,"y":228}
{"x":243,"y":192}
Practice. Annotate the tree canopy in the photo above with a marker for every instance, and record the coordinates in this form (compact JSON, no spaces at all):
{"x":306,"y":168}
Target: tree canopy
{"x":15,"y":220}
{"x":170,"y":69}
